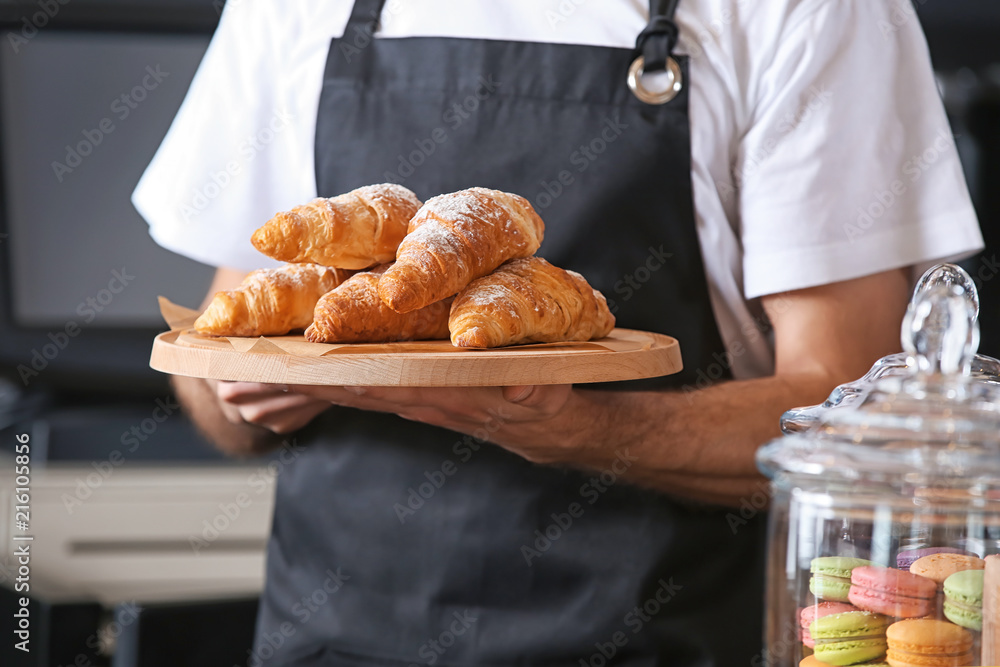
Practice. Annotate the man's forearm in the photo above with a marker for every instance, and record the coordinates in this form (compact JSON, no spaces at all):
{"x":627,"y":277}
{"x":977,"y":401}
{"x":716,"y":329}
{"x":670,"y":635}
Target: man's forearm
{"x":202,"y":406}
{"x":697,"y":444}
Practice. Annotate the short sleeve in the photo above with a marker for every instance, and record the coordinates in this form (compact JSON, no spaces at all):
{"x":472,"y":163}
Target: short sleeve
{"x":239,"y":149}
{"x":847,"y":166}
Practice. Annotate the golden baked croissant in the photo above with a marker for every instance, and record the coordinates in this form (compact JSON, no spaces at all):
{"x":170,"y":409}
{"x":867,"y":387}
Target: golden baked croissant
{"x":269,"y":302}
{"x":528,"y":301}
{"x":354,"y":313}
{"x":352,"y":231}
{"x":454,"y":239}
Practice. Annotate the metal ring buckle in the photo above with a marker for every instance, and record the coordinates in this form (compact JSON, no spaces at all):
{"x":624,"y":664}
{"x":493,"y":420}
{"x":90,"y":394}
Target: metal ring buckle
{"x":635,"y":73}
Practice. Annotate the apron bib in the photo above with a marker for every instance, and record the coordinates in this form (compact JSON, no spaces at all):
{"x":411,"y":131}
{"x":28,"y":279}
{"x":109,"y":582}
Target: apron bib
{"x":452,"y":551}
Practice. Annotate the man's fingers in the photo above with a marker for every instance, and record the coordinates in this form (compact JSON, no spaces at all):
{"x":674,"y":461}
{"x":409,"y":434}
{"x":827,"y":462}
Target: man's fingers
{"x":247,"y":392}
{"x":461,"y":403}
{"x":266,"y":411}
{"x":289,"y":421}
{"x":401,"y":396}
{"x":231,"y":412}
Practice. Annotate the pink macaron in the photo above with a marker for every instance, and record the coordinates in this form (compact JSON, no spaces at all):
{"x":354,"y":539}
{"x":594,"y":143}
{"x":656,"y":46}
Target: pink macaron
{"x":892,"y":592}
{"x":809,"y":614}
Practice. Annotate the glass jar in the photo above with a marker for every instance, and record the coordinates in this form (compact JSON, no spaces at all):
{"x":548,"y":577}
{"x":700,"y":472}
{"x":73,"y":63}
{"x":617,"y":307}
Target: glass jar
{"x":886,"y":506}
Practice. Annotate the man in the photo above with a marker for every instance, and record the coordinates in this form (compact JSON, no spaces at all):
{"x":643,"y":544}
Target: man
{"x":765,"y":210}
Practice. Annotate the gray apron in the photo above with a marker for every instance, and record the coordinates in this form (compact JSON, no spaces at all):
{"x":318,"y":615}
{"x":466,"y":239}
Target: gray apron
{"x":428,"y":547}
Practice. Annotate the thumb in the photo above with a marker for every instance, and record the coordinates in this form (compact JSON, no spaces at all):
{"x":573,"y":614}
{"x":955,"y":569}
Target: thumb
{"x":547,"y":398}
{"x":519,"y":394}
{"x":538,"y":397}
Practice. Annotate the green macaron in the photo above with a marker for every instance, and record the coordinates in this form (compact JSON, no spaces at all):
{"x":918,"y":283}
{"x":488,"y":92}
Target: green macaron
{"x":850,"y":637}
{"x":831,"y":576}
{"x":963,"y":599}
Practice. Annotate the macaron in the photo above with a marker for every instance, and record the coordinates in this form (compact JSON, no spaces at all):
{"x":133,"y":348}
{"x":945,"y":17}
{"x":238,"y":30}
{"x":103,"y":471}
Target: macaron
{"x":809,"y":614}
{"x":811,"y":661}
{"x":831,"y":576}
{"x":849,"y":637}
{"x":892,"y":592}
{"x":904,"y":559}
{"x":939,"y":567}
{"x":926,"y":642}
{"x":963,"y":599}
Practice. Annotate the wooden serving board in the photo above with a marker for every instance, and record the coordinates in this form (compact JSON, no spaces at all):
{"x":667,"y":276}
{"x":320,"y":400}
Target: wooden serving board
{"x":624,"y":355}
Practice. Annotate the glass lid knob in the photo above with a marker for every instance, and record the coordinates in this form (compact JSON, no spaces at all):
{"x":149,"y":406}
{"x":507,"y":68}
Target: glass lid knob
{"x":940,"y":332}
{"x":950,"y":274}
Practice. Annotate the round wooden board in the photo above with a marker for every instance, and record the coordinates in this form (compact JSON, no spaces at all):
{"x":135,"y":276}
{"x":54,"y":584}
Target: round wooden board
{"x":624,"y":355}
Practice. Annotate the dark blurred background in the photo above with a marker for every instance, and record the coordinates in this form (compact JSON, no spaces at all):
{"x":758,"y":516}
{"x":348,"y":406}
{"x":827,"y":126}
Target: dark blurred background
{"x":75,"y":337}
{"x":79,"y":277}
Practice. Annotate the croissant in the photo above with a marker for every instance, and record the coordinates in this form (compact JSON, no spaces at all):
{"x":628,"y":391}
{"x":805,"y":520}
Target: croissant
{"x":354,"y":313}
{"x":269,"y":302}
{"x":352,"y":231}
{"x":456,"y":238}
{"x":528,"y":301}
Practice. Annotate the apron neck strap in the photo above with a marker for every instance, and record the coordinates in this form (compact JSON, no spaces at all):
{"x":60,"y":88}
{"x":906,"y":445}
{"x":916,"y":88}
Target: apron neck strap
{"x":656,"y":43}
{"x":365,"y":15}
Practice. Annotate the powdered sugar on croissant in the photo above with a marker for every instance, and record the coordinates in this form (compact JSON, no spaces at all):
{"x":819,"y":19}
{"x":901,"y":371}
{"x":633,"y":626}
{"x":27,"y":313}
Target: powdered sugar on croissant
{"x":528,"y":301}
{"x":454,"y":239}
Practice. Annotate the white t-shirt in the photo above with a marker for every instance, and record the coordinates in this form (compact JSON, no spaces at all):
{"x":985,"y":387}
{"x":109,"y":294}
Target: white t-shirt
{"x":820,"y":147}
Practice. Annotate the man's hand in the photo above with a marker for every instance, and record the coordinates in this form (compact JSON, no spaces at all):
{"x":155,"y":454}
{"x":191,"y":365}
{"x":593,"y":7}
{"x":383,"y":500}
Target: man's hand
{"x":243,"y":418}
{"x":697,"y":444}
{"x":270,"y":406}
{"x":543,"y":423}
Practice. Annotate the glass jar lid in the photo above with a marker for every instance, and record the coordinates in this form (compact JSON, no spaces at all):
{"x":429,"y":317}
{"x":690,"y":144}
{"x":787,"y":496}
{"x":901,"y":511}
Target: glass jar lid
{"x":927,"y":418}
{"x":850,"y":395}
